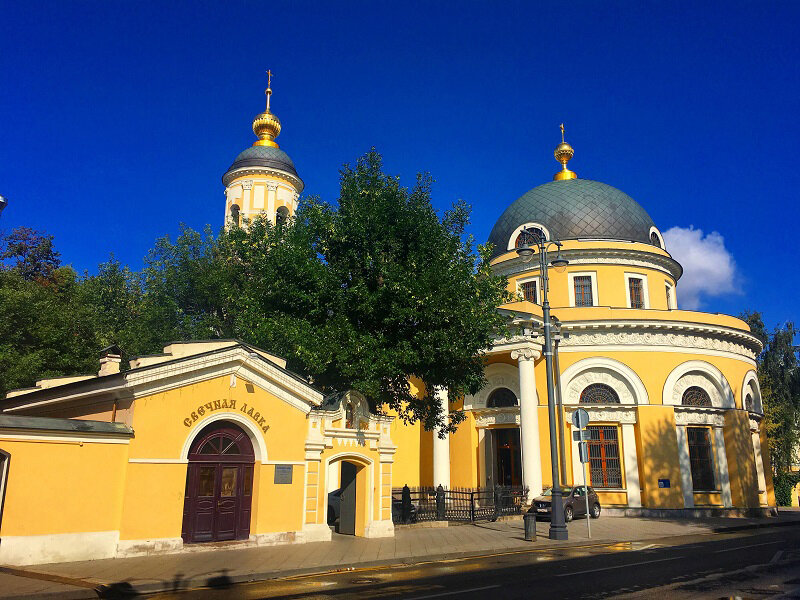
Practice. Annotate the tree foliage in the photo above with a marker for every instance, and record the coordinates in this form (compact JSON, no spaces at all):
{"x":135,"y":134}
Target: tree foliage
{"x":364,"y":294}
{"x":779,"y":380}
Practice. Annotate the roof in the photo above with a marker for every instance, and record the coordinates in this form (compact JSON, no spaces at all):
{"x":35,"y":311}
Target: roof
{"x":66,"y":425}
{"x":262,"y":156}
{"x":572,"y":209}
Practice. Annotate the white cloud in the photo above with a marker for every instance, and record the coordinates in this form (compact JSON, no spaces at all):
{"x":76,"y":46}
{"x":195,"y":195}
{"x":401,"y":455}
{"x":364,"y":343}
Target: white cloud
{"x":708,"y":268}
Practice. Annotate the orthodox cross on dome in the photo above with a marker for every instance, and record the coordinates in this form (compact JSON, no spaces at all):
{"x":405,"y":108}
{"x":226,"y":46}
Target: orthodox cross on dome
{"x":563,"y":153}
{"x":562,"y":133}
{"x":268,"y":91}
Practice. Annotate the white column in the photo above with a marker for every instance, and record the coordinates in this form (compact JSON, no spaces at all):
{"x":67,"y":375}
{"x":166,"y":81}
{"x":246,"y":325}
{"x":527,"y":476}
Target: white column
{"x":762,"y":480}
{"x":529,"y":421}
{"x":686,"y":467}
{"x":441,"y":447}
{"x":721,"y":463}
{"x":631,"y":465}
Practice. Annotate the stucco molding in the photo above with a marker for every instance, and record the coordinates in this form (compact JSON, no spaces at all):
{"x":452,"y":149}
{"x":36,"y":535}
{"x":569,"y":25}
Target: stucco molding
{"x":598,"y":369}
{"x":606,"y":413}
{"x":521,"y":354}
{"x":701,"y":374}
{"x":231,"y":177}
{"x":488,"y":417}
{"x":683,"y":336}
{"x":689,"y":415}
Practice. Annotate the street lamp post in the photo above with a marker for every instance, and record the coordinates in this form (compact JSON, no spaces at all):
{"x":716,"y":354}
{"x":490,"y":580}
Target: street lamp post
{"x":558,"y":527}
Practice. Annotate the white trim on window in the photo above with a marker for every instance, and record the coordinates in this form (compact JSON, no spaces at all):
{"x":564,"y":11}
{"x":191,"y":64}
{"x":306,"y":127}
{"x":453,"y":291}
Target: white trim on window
{"x":518,"y":230}
{"x":660,"y":237}
{"x":571,"y":279}
{"x":645,"y":293}
{"x":670,"y":291}
{"x":536,"y":279}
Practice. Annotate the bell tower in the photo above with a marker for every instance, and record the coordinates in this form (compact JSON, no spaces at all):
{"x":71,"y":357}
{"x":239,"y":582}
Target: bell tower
{"x":262,"y":181}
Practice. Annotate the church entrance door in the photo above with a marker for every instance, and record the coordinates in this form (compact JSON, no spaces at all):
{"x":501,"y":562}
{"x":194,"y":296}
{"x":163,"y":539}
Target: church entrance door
{"x":219,"y":485}
{"x":507,"y":451}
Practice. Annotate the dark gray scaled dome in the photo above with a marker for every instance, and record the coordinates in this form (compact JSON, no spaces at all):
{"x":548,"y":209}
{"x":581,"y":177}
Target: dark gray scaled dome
{"x":262,"y":156}
{"x":572,"y":209}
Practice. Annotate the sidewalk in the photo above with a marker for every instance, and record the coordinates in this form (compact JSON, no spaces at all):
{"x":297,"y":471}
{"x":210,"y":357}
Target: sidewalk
{"x":149,"y":574}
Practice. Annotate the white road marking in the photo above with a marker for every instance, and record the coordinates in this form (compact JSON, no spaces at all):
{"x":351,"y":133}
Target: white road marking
{"x":777,"y":557}
{"x":750,"y":546}
{"x":644,"y":562}
{"x":477,"y":589}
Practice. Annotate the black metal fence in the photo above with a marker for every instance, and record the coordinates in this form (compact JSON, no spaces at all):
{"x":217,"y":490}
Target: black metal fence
{"x":417,"y":504}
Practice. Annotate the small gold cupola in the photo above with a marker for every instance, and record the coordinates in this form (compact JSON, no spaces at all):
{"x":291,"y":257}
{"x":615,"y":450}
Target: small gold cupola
{"x":266,"y":125}
{"x":563,"y":153}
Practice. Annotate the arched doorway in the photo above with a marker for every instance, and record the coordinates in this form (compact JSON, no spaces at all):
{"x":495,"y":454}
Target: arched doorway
{"x":219,"y":485}
{"x":349,"y":505}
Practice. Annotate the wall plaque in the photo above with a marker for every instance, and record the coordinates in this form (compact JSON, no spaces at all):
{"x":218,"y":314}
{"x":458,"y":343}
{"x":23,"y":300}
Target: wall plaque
{"x":283,"y":474}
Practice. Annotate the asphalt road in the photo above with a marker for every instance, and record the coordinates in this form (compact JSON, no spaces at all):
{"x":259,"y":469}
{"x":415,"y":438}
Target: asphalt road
{"x":600,"y":571}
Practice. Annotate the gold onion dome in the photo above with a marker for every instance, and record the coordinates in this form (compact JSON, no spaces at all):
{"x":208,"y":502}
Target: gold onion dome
{"x":563,"y":154}
{"x":266,"y":125}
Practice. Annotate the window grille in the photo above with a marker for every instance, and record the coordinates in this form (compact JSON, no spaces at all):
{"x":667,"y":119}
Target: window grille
{"x":654,"y":239}
{"x":636,"y":292}
{"x":599,"y":393}
{"x":605,"y":469}
{"x":529,"y":291}
{"x":531,"y":235}
{"x":583,"y":290}
{"x":501,"y":397}
{"x":701,"y":458}
{"x":696,"y":396}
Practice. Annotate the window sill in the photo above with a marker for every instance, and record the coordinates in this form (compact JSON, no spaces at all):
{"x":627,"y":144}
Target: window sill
{"x":706,"y":491}
{"x":611,"y":490}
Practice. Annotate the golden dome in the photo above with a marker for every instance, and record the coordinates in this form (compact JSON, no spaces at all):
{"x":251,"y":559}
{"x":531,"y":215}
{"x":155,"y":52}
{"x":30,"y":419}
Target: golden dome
{"x":563,"y":153}
{"x":266,"y":125}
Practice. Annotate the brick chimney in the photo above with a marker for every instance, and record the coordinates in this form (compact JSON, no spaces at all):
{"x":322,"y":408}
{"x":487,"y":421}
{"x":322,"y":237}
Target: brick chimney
{"x":110,"y":359}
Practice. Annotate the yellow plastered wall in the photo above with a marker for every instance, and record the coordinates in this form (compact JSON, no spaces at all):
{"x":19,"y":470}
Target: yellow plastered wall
{"x":612,"y":288}
{"x":741,"y":459}
{"x":85,"y":480}
{"x":270,"y":500}
{"x":657,"y":449}
{"x":153,"y":500}
{"x":767,"y":466}
{"x":464,"y":449}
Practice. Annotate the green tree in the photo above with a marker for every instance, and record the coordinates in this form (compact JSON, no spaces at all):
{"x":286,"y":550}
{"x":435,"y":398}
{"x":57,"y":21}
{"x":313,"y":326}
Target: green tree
{"x":370,"y":292}
{"x":32,"y":253}
{"x":779,"y":379}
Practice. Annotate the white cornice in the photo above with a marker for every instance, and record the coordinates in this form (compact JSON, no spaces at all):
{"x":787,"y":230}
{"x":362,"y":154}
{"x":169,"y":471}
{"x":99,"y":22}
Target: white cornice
{"x":254,"y":170}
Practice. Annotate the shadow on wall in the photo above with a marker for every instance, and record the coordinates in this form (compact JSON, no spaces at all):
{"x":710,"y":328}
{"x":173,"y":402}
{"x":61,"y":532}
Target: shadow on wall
{"x":658,"y":457}
{"x":425,"y":456}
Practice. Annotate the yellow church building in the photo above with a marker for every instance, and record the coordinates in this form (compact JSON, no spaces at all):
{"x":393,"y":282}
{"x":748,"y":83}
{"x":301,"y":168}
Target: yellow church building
{"x":213,"y":441}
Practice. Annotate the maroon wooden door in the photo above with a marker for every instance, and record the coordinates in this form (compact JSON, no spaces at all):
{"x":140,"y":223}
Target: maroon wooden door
{"x":219,"y":486}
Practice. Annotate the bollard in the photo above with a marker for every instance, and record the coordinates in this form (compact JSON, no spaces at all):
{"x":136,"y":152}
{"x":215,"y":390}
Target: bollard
{"x":529,"y":519}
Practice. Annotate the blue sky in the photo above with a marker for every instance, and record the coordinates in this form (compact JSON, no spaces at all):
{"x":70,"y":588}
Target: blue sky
{"x":118,"y":119}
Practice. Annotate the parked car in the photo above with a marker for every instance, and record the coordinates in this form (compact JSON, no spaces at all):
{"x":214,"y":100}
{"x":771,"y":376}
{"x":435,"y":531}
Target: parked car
{"x":574,"y":502}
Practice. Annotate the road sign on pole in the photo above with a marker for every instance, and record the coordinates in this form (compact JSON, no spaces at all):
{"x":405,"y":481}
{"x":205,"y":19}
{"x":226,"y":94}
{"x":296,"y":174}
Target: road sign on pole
{"x":580,"y":419}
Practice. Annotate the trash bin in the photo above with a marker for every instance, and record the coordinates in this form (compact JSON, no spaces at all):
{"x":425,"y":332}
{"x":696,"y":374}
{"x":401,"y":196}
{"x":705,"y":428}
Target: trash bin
{"x":529,"y":519}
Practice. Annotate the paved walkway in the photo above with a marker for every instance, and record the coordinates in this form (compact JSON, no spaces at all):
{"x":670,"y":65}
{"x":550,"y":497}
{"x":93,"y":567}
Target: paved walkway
{"x":410,"y":544}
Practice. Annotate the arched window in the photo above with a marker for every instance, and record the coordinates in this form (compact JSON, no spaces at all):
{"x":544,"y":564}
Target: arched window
{"x":532,"y":235}
{"x":501,"y":398}
{"x":696,"y":396}
{"x":748,"y":402}
{"x":654,"y":239}
{"x":599,"y":393}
